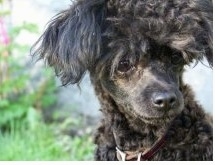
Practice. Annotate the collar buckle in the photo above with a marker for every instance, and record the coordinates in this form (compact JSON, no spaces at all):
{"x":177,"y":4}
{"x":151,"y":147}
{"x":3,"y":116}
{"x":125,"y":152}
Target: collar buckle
{"x":120,"y":154}
{"x":123,"y":156}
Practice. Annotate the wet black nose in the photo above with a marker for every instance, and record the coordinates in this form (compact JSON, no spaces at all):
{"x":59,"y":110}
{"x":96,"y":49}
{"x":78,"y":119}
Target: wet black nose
{"x":164,"y":100}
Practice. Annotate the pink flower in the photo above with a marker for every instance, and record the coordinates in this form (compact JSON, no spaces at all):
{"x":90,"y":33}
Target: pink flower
{"x":4,"y":38}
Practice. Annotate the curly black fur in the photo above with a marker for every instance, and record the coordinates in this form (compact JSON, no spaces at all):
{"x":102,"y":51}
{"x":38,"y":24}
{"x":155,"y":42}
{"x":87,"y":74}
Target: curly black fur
{"x":135,"y":52}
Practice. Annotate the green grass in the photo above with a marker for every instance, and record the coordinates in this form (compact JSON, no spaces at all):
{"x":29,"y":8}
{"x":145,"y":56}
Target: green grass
{"x":41,"y":144}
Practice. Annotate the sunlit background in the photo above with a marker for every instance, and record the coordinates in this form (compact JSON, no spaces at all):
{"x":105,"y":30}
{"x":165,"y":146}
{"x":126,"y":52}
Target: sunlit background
{"x":39,"y":119}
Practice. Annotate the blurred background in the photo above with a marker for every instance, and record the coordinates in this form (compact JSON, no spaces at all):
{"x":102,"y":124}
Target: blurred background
{"x":39,"y":119}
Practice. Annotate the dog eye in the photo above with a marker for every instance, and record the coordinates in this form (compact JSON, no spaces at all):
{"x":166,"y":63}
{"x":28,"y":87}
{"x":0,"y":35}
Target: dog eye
{"x":124,"y":66}
{"x":177,"y":59}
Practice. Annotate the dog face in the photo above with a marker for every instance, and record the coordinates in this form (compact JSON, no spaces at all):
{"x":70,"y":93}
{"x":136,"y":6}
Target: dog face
{"x":135,"y":49}
{"x":147,"y":86}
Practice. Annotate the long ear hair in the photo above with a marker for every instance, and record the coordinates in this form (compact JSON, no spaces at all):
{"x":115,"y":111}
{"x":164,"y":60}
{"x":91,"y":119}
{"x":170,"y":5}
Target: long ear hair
{"x":194,"y":35}
{"x":196,"y":26}
{"x":72,"y":41}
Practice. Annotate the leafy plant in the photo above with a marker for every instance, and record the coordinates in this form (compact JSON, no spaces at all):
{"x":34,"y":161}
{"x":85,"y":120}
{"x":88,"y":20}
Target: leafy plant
{"x":37,"y":144}
{"x":41,"y":143}
{"x":17,"y":96}
{"x":23,"y":134}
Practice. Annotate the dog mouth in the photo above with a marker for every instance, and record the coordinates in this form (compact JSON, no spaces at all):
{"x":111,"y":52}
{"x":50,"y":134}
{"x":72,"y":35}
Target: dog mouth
{"x":152,"y":116}
{"x":165,"y":118}
{"x":158,"y":121}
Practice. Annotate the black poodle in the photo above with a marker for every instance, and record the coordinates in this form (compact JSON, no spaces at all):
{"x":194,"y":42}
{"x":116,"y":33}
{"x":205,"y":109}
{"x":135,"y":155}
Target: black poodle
{"x":135,"y":52}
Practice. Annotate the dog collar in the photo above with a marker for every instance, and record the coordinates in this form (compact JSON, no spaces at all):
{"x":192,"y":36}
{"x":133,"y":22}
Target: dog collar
{"x":142,"y":154}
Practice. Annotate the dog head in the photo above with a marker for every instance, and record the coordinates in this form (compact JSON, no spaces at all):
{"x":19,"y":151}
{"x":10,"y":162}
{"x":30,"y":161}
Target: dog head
{"x":135,"y":49}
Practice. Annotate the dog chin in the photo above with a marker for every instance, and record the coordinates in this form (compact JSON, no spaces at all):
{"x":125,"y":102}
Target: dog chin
{"x":155,"y":120}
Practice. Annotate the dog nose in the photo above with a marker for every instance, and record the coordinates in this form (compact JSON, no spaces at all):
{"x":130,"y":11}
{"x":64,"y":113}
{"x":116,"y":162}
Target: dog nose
{"x":164,"y":100}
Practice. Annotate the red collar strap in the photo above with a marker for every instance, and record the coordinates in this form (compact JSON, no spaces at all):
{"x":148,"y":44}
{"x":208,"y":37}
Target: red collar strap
{"x":143,"y":153}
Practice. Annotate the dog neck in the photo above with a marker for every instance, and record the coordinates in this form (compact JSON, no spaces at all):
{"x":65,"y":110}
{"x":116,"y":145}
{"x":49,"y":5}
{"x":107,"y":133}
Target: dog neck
{"x":151,"y":132}
{"x":143,"y":153}
{"x":149,"y":138}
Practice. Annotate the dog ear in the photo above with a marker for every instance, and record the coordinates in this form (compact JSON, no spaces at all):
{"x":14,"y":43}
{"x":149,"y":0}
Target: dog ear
{"x":206,"y":39}
{"x":72,"y":41}
{"x":197,"y":27}
{"x":209,"y":42}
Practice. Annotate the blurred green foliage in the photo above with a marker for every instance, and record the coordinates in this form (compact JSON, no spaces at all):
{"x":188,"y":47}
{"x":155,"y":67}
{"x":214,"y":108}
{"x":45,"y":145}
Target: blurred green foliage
{"x":17,"y":96}
{"x":42,"y":143}
{"x":23,"y":133}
